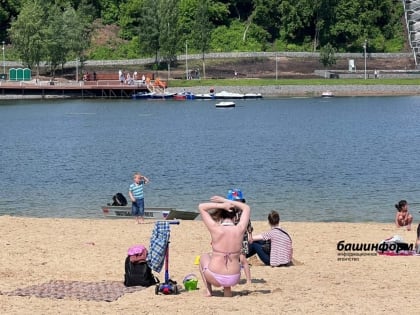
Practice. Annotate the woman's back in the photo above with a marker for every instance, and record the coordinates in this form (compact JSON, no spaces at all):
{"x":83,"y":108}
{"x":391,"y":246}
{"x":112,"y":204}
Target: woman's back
{"x":225,"y":257}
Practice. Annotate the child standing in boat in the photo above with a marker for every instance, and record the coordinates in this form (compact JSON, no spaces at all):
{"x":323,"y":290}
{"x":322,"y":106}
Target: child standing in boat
{"x":136,"y":195}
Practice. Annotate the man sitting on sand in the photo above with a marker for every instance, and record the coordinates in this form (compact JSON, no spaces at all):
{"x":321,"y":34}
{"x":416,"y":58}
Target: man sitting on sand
{"x":281,"y":251}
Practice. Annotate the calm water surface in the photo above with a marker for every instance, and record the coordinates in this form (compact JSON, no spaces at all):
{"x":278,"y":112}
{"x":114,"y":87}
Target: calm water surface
{"x":341,"y":159}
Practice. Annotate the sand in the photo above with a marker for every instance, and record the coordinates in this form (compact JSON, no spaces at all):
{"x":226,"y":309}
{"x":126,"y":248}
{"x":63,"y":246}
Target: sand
{"x":38,"y":251}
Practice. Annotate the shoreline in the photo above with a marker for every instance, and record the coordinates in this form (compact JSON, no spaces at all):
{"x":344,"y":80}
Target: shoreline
{"x":273,"y":91}
{"x":270,"y":91}
{"x":38,"y":251}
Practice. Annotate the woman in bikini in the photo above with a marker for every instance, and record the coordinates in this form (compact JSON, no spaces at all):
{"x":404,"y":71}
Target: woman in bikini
{"x":403,"y":217}
{"x":222,"y":268}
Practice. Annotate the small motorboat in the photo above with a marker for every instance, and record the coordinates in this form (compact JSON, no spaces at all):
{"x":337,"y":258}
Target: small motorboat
{"x":228,"y":95}
{"x":161,"y":95}
{"x":327,"y":94}
{"x":184,"y":96}
{"x":142,"y":95}
{"x":225,"y":104}
{"x":208,"y":96}
{"x":252,"y":95}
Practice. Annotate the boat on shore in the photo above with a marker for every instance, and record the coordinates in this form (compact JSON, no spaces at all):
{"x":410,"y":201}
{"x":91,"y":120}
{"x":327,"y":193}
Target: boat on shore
{"x":205,"y":96}
{"x":252,"y":95}
{"x":153,"y":95}
{"x":227,"y":95}
{"x":225,"y":104}
{"x":327,"y":94}
{"x":156,"y":213}
{"x":142,"y":95}
{"x":185,"y":95}
{"x":161,"y":95}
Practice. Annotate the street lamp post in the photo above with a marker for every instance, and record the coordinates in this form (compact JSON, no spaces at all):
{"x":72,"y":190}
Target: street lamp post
{"x":4,"y":62}
{"x":186,"y":59}
{"x":77,"y":70}
{"x":364,"y":48}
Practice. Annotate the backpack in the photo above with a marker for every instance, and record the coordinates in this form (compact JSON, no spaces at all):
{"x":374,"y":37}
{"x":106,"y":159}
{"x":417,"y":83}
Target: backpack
{"x":138,"y":273}
{"x":119,"y":200}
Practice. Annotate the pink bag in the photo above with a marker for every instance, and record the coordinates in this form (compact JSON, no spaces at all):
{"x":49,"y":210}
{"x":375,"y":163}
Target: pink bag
{"x":137,"y":253}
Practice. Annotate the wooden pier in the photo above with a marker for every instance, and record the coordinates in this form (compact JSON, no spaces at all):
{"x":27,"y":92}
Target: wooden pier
{"x":54,"y":89}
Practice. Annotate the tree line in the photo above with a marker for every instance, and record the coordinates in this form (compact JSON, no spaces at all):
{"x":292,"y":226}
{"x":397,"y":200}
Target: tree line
{"x":56,"y":31}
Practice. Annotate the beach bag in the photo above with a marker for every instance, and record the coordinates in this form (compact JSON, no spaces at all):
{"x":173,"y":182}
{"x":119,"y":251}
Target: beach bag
{"x":137,"y":271}
{"x":119,"y":200}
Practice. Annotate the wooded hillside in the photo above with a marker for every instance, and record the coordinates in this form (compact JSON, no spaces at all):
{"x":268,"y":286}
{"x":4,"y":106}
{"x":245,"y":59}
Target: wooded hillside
{"x":57,"y":31}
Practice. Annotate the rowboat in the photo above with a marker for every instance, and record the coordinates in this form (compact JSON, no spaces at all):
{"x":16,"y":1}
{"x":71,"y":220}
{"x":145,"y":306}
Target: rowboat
{"x":156,"y":213}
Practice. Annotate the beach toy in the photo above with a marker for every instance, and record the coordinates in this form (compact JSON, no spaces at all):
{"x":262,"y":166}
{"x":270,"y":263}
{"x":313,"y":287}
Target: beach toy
{"x":197,"y":260}
{"x":190,"y":282}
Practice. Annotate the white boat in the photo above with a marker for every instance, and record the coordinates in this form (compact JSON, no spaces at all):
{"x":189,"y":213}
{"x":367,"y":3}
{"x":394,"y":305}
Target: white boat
{"x":228,"y":95}
{"x":252,"y":95}
{"x":225,"y":104}
{"x":161,"y":95}
{"x":327,"y":94}
{"x":207,"y":96}
{"x":156,"y":213}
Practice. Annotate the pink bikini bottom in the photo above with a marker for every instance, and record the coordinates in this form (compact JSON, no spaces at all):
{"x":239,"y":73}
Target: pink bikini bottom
{"x":224,"y":280}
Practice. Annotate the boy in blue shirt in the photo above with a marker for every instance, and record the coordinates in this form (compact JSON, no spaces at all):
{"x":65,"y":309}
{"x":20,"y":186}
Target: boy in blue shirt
{"x":137,"y":196}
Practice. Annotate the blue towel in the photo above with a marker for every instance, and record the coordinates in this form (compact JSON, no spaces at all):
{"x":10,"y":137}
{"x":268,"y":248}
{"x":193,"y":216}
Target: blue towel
{"x":158,"y":244}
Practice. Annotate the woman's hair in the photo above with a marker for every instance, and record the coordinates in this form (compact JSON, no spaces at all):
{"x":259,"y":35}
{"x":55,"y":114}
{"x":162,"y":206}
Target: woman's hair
{"x":224,"y":214}
{"x":401,"y":204}
{"x":221,"y":214}
{"x":273,"y":218}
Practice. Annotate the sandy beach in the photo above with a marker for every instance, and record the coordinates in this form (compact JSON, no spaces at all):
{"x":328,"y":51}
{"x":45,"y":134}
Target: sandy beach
{"x":39,"y":251}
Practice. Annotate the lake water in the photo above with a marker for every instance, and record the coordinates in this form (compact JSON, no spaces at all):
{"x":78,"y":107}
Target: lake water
{"x":313,"y":159}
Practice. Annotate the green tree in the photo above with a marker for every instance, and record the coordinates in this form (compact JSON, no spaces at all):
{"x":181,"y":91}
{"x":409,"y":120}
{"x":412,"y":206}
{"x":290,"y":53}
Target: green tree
{"x":168,"y":37}
{"x":109,"y":11}
{"x":149,"y":28}
{"x":56,"y":47}
{"x":129,"y":18}
{"x":202,"y":30}
{"x":27,"y":33}
{"x":327,"y":55}
{"x":79,"y":25}
{"x":225,"y":39}
{"x":9,"y":10}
